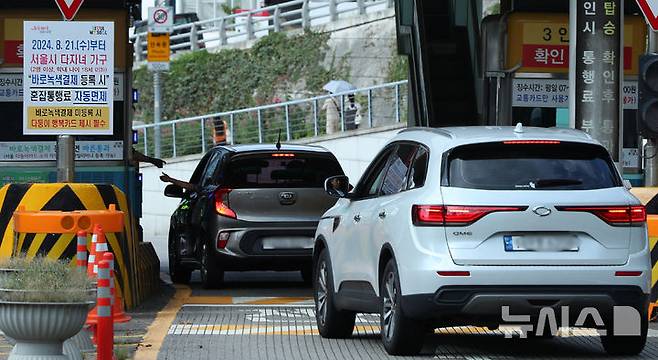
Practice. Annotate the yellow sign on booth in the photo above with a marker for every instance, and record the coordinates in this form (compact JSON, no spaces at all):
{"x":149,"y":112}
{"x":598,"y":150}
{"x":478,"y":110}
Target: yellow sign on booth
{"x":540,"y":42}
{"x":158,"y":48}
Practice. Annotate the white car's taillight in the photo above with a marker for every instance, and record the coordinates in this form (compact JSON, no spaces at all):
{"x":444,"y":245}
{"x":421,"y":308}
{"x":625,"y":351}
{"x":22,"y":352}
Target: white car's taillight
{"x":613,"y":215}
{"x":455,"y":215}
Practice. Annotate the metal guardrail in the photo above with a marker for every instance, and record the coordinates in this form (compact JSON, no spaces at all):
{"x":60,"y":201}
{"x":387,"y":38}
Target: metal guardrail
{"x":252,"y":24}
{"x":378,"y":106}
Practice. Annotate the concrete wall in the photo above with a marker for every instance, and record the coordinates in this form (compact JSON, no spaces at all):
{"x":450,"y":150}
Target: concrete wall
{"x":354,"y":150}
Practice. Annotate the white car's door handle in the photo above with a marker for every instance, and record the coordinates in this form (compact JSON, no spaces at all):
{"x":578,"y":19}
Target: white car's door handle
{"x":357,"y":218}
{"x":382,"y":214}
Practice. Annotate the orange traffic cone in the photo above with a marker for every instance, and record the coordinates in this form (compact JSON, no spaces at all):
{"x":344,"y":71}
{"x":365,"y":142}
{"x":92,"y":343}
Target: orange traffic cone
{"x":92,"y":252}
{"x":118,"y":313}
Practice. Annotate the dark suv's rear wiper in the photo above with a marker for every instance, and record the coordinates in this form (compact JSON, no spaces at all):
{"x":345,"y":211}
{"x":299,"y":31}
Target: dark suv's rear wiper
{"x":543,"y":183}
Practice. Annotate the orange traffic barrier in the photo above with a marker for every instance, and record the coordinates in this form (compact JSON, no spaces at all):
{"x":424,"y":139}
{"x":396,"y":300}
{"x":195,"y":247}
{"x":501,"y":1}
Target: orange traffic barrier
{"x":67,"y":222}
{"x":652,"y":225}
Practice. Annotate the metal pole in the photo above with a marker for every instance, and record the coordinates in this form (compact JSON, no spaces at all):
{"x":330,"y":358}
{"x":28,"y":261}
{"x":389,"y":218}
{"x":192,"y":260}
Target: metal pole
{"x":596,"y":94}
{"x":156,"y":113}
{"x":651,"y":148}
{"x":342,"y":113}
{"x":332,"y":10}
{"x":146,"y":142}
{"x":203,"y":135}
{"x":288,"y":134}
{"x":362,"y":7}
{"x":316,"y":129}
{"x":222,"y":32}
{"x":250,"y":27}
{"x":370,"y":108}
{"x":173,"y":138}
{"x":231,"y":128}
{"x":573,"y":7}
{"x":65,"y":158}
{"x":138,"y":48}
{"x":397,"y":103}
{"x":306,"y":15}
{"x":277,"y":19}
{"x":194,"y":45}
{"x":260,"y":127}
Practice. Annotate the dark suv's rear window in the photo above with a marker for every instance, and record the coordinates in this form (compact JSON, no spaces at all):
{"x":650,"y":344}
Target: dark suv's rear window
{"x":559,"y":166}
{"x":283,"y":170}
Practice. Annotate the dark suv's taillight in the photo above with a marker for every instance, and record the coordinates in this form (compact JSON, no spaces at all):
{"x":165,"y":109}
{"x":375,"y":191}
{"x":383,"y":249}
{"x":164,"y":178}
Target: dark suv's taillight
{"x":221,"y":203}
{"x":613,"y":215}
{"x":454,"y":215}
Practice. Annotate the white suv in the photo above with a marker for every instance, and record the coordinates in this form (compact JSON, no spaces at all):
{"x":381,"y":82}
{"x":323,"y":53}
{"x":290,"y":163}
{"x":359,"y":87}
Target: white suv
{"x":484,"y":226}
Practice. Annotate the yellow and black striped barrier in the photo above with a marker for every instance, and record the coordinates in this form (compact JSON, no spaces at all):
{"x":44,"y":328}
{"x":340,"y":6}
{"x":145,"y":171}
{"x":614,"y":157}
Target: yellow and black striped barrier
{"x":132,"y":283}
{"x":649,"y":197}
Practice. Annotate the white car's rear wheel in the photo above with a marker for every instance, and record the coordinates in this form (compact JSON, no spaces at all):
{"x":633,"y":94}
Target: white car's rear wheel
{"x":400,"y":335}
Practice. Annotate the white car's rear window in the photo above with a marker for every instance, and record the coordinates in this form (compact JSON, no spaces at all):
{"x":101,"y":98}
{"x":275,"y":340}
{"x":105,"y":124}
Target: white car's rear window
{"x":530,"y":166}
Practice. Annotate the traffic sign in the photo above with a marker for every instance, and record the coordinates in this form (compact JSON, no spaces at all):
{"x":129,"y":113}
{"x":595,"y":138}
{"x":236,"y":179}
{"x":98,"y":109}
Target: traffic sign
{"x":69,"y":8}
{"x":158,"y":52}
{"x":650,"y":10}
{"x":161,"y":19}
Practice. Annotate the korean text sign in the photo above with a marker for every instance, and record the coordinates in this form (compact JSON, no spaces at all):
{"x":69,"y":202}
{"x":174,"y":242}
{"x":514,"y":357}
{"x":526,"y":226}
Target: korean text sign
{"x":68,"y":78}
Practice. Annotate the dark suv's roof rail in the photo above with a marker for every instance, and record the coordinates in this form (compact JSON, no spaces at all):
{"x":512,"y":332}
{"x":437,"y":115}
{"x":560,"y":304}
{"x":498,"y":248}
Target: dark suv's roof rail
{"x":437,"y":131}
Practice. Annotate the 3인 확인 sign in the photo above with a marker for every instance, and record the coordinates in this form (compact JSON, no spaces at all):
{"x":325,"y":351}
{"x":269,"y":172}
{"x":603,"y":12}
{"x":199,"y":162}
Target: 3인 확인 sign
{"x":68,"y":78}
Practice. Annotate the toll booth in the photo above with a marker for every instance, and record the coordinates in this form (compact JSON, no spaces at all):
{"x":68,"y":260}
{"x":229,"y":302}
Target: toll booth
{"x":526,"y":70}
{"x":99,"y":158}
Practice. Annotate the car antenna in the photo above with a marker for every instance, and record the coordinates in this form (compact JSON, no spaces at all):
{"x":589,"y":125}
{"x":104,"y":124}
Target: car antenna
{"x":278,"y":141}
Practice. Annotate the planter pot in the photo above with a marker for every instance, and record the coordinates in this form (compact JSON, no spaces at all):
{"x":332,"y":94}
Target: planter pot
{"x":39,"y":329}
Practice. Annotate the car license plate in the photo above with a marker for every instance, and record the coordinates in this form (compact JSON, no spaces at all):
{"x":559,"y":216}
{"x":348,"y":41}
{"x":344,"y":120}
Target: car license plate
{"x":287,"y":242}
{"x":540,"y":243}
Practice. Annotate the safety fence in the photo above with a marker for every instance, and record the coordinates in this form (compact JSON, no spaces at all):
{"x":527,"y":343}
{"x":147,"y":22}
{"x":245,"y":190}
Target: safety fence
{"x":251,"y":24}
{"x":377,"y":106}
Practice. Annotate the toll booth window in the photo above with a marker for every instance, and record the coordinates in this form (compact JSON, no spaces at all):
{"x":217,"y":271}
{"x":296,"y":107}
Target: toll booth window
{"x":535,"y":116}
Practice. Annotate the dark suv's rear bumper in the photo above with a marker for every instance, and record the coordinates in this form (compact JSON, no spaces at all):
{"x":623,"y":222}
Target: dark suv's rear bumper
{"x":484,"y":304}
{"x":245,"y":251}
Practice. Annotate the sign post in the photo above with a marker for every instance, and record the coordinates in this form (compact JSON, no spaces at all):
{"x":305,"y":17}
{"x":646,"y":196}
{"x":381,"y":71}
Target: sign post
{"x":160,"y":25}
{"x":650,"y":12}
{"x":597,"y":69}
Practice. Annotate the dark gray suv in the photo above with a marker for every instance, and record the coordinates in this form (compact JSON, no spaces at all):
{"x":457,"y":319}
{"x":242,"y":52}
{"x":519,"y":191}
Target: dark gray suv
{"x":254,"y":207}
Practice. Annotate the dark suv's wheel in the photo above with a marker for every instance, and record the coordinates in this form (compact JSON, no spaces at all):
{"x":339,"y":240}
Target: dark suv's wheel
{"x":401,"y":335}
{"x":212,"y":275}
{"x":332,"y":323}
{"x":178,"y":273}
{"x":627,"y":345}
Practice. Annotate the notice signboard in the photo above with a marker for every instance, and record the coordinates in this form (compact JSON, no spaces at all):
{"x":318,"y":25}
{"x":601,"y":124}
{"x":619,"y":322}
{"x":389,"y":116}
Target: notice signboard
{"x":598,"y":71}
{"x":68,"y":78}
{"x":540,"y":42}
{"x":554,"y":93}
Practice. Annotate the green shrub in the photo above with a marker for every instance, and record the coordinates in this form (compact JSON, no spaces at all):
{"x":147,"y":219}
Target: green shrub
{"x":201,"y":82}
{"x":43,"y":280}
